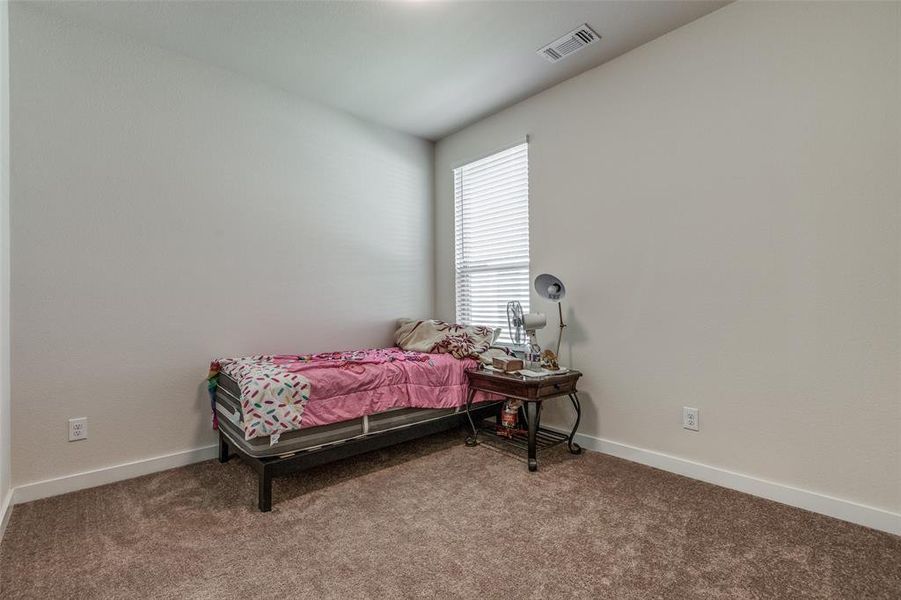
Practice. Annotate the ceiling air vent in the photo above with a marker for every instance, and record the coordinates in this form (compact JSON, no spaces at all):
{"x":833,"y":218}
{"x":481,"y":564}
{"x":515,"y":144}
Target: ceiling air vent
{"x":570,"y":43}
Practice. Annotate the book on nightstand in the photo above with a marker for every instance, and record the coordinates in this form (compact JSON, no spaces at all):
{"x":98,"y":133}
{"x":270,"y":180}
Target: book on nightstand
{"x":507,"y":364}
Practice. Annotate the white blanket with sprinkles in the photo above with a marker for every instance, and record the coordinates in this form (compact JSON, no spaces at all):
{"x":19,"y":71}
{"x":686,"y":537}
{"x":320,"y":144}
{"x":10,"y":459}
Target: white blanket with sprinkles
{"x":272,"y":398}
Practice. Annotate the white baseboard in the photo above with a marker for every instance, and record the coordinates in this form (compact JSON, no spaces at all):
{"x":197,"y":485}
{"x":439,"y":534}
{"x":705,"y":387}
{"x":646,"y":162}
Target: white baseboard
{"x":95,"y":477}
{"x":6,"y":509}
{"x":845,"y":510}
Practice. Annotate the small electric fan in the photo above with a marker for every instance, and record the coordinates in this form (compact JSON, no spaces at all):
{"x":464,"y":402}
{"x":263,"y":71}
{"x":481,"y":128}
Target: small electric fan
{"x":523,"y":327}
{"x":515,"y":321}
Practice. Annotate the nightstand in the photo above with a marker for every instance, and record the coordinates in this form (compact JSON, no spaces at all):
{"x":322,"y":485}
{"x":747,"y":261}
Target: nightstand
{"x":532,"y":391}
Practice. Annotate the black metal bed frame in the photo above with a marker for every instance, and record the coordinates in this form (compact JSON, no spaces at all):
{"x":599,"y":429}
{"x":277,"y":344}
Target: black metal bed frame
{"x":276,"y":466}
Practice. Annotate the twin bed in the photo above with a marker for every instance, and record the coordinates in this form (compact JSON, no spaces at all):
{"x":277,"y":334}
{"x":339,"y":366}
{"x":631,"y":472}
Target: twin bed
{"x":286,"y":413}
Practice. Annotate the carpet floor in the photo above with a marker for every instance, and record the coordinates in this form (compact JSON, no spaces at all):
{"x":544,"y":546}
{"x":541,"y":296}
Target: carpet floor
{"x":435,"y":519}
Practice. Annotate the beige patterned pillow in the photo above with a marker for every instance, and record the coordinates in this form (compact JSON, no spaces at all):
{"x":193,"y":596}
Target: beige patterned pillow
{"x":438,"y":337}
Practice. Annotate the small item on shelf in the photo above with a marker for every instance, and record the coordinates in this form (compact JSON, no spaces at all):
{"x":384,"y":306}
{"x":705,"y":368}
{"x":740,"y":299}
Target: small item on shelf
{"x":507,"y":363}
{"x":508,"y":418}
{"x":549,"y":360}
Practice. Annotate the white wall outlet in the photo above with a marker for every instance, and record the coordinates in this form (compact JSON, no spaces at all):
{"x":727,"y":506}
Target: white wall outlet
{"x":78,"y":429}
{"x":690,"y":418}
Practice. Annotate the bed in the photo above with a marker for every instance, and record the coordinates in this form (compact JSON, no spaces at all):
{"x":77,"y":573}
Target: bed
{"x":286,"y":413}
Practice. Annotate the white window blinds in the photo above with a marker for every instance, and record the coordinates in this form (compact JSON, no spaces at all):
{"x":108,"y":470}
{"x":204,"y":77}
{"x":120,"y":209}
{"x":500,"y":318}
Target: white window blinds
{"x":492,"y":237}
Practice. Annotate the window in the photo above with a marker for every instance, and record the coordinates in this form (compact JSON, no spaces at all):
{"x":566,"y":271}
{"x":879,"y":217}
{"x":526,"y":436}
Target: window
{"x":491,"y":198}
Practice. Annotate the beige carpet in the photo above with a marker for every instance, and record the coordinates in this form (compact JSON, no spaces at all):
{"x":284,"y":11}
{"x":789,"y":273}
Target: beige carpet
{"x":434,"y":519}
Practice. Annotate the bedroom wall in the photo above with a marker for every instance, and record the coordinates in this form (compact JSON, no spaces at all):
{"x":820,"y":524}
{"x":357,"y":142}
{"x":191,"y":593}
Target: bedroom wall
{"x":5,"y":458}
{"x":164,"y":213}
{"x":723,"y":206}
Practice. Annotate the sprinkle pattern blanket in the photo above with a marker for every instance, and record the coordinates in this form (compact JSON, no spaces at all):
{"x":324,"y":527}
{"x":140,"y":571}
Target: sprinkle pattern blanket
{"x":276,"y":389}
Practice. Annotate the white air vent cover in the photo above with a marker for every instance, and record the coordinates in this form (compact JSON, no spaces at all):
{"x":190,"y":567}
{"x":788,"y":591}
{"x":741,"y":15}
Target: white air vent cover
{"x":570,"y":43}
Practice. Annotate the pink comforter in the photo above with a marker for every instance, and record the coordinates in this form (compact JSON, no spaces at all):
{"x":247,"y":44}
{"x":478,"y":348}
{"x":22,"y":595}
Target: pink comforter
{"x":286,"y":393}
{"x":357,"y":388}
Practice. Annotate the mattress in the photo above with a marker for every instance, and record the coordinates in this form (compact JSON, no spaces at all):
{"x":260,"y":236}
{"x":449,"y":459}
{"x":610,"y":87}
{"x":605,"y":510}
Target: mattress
{"x":279,"y":394}
{"x":228,"y":408}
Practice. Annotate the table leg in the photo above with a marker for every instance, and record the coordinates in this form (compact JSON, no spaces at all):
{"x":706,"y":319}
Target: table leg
{"x":533,"y":414}
{"x":573,"y":447}
{"x":471,"y":440}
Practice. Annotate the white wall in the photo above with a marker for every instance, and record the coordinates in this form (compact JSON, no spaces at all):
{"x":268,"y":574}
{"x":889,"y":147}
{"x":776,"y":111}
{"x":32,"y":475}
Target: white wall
{"x":164,"y":213}
{"x":723,"y":206}
{"x":4,"y":263}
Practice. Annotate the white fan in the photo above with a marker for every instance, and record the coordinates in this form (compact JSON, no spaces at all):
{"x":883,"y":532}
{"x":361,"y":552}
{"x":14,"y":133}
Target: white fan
{"x":523,"y":328}
{"x":515,"y":321}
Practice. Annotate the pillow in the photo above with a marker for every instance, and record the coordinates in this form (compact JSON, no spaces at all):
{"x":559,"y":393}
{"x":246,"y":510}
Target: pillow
{"x":438,"y":337}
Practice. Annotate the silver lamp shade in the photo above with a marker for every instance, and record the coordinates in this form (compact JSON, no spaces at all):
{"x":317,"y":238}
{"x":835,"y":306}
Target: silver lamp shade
{"x":550,"y":287}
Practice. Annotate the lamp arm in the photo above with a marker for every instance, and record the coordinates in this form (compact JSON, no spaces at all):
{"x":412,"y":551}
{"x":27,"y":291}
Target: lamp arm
{"x":562,"y":326}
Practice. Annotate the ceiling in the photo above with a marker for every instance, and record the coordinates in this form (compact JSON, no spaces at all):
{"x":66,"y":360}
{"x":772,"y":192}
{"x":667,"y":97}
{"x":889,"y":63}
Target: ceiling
{"x":423,"y":67}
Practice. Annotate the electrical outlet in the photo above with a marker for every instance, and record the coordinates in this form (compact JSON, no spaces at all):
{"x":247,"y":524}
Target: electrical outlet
{"x":78,"y":429}
{"x":690,"y":418}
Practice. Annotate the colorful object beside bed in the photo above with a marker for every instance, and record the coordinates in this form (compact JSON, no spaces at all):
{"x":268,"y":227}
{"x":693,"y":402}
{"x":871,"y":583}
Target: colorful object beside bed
{"x":212,"y":380}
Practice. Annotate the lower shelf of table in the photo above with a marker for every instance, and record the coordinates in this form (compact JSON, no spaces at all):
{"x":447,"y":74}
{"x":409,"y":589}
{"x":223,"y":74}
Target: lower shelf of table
{"x":545,"y":438}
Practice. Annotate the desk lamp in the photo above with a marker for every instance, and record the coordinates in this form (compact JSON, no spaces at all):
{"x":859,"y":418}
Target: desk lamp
{"x":551,"y":288}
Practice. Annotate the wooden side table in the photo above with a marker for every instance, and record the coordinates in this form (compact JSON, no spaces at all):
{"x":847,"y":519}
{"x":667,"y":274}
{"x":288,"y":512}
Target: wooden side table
{"x":532,"y":391}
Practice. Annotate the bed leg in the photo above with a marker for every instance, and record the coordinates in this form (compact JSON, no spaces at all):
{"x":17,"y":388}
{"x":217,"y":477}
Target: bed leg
{"x":223,"y":449}
{"x":264,"y":500}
